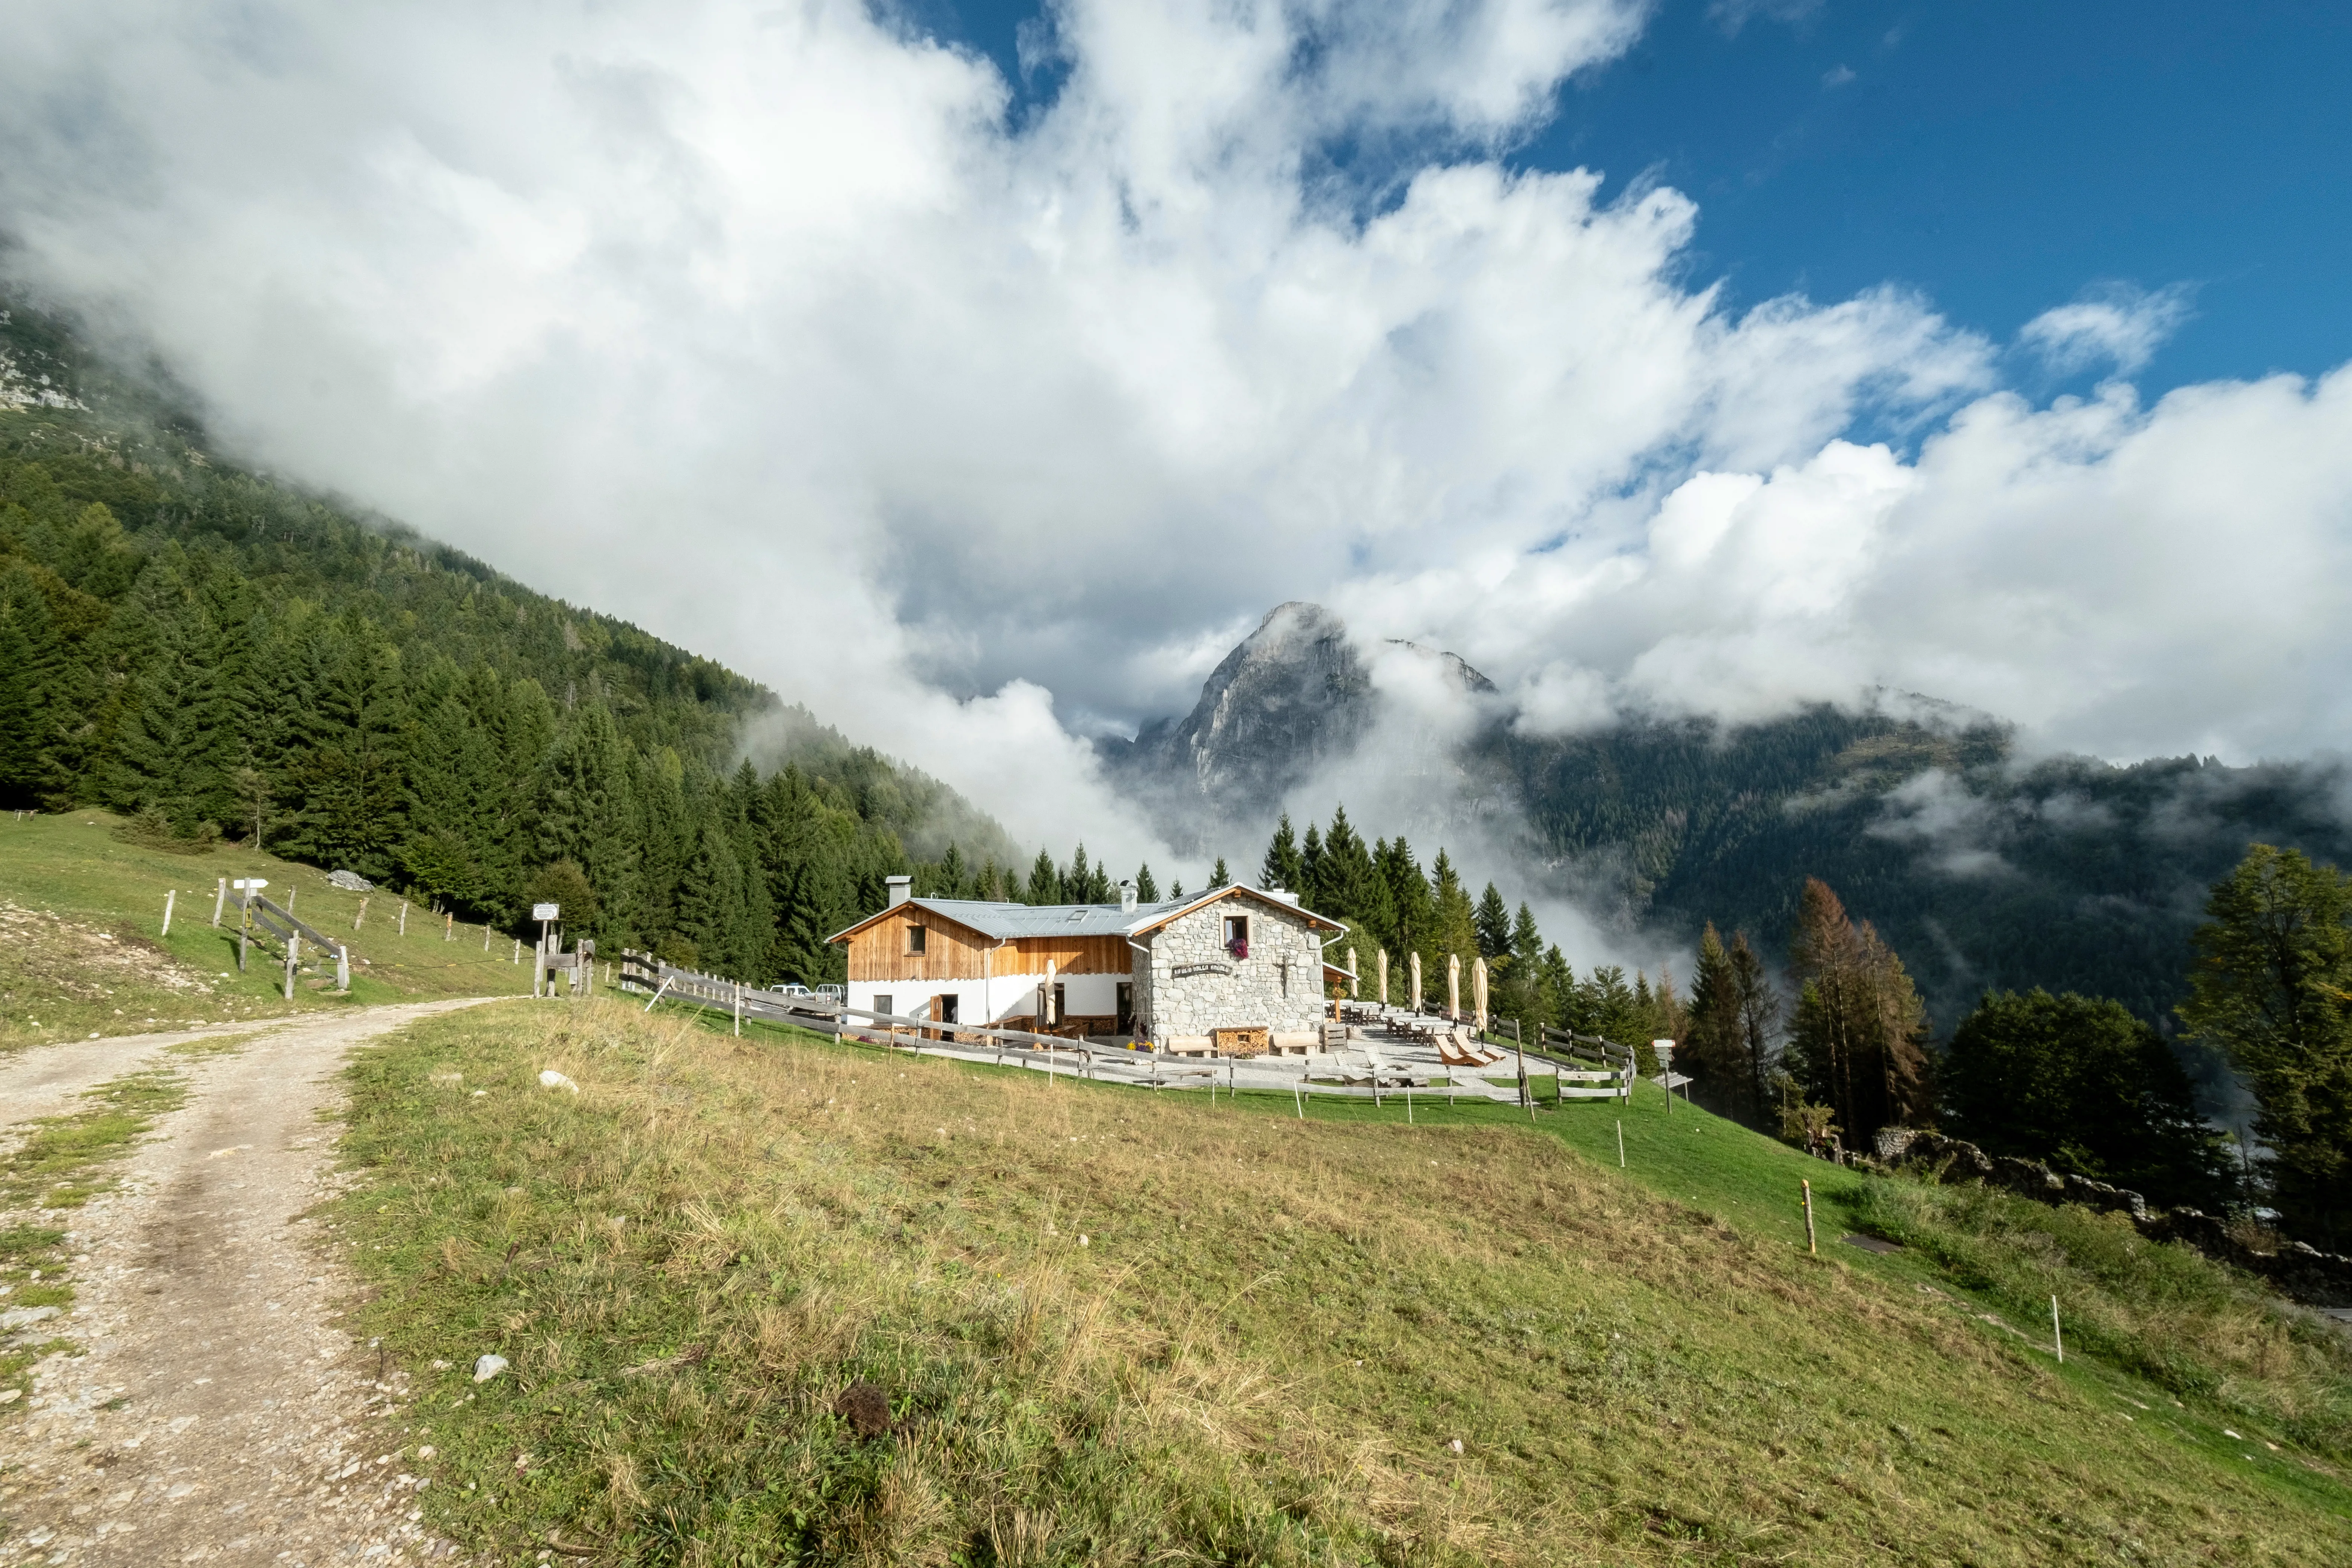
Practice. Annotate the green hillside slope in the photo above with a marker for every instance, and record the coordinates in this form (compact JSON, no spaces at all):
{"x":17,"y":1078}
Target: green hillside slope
{"x":1113,"y":1327}
{"x":83,"y":950}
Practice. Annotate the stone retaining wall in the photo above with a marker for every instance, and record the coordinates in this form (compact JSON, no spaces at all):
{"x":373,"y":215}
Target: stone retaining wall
{"x":2299,"y":1272}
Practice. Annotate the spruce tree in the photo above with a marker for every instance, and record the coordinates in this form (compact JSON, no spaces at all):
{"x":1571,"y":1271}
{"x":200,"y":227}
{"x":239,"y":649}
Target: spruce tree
{"x":1044,"y":881}
{"x":36,"y":683}
{"x":1147,"y":891}
{"x":350,"y":762}
{"x":1760,"y":1016}
{"x":711,"y":912}
{"x":588,"y":813}
{"x":1492,"y":920}
{"x":1716,"y":1051}
{"x":2273,"y":990}
{"x":1310,"y":870}
{"x":1220,"y":876}
{"x":1282,"y":867}
{"x":172,"y":745}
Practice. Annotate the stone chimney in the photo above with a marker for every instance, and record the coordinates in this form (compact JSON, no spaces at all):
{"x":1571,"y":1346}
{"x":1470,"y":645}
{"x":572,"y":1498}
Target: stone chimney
{"x":1126,"y":897}
{"x":901,"y":887}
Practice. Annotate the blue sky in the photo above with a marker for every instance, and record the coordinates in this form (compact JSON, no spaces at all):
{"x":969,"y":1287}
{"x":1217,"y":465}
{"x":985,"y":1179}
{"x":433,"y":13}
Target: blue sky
{"x":1999,"y":157}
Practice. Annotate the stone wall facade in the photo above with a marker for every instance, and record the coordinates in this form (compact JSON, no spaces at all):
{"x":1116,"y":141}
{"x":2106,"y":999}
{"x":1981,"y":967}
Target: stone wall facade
{"x":1192,"y":985}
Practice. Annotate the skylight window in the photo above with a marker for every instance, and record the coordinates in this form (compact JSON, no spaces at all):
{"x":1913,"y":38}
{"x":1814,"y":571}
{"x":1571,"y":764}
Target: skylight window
{"x":1076,"y":915}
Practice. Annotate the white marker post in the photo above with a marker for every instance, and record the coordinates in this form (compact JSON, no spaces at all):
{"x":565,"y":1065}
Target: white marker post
{"x":220,"y":899}
{"x":247,"y":888}
{"x":169,"y":894}
{"x":544,"y":914}
{"x":2057,"y":1339}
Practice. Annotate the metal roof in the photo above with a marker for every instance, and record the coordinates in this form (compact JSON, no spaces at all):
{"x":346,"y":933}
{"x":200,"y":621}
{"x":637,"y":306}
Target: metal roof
{"x":1008,"y":922}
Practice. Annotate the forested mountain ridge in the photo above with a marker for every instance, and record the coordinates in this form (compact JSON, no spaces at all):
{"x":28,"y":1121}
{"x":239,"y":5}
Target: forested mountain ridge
{"x":219,"y":651}
{"x":1983,"y":868}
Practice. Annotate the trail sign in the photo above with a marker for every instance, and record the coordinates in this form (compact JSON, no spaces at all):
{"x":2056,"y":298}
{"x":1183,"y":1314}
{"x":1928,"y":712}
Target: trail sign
{"x":543,"y":911}
{"x":251,"y":884}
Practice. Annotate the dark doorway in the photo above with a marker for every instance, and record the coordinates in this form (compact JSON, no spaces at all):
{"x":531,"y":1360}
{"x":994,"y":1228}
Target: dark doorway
{"x":943,"y":1007}
{"x":1125,"y":1008}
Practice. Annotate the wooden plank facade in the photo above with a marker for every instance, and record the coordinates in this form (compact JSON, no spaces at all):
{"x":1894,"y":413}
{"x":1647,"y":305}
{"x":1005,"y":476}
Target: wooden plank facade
{"x":882,"y":953}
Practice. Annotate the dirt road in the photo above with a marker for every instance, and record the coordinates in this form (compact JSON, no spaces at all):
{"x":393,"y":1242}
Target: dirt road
{"x":218,"y":1413}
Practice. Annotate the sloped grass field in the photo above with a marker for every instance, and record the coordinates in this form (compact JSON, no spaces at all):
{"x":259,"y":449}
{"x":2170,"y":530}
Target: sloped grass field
{"x":82,"y":949}
{"x":1114,"y":1327}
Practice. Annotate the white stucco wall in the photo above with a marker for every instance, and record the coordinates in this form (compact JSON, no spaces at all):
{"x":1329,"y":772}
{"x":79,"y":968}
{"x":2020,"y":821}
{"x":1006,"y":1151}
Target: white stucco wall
{"x":999,"y":997}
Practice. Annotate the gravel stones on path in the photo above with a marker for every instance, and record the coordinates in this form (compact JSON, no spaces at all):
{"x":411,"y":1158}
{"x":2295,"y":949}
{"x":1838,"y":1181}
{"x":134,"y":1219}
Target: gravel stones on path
{"x":218,"y":1412}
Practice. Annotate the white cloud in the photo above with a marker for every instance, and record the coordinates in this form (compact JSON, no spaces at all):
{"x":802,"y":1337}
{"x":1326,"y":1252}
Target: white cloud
{"x":2116,"y":324}
{"x":770,"y":332}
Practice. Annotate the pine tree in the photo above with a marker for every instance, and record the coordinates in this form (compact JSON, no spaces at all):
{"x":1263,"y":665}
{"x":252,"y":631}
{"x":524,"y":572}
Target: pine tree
{"x":1282,"y":868}
{"x":1147,"y":891}
{"x":2273,"y":989}
{"x":1494,"y":924}
{"x":1220,"y":877}
{"x":1176,"y":891}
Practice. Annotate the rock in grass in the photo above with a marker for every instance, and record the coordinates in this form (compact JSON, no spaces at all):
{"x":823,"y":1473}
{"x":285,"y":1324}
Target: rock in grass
{"x":489,"y":1367}
{"x":866,"y":1409}
{"x":551,"y":1079}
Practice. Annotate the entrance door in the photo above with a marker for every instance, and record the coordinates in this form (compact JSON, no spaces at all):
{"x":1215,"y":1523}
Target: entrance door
{"x":943,"y":1007}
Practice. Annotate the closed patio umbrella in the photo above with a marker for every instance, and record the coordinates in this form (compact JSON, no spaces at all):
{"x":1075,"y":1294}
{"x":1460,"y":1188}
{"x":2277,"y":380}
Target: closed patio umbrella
{"x":1478,"y":991}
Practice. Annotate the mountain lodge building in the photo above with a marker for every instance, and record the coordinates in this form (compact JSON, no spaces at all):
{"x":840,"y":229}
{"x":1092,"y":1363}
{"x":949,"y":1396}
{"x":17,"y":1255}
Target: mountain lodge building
{"x":1234,"y":968}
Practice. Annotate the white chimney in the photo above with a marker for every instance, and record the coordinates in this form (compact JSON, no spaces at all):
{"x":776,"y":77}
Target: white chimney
{"x":901,"y":888}
{"x":1286,"y":896}
{"x":1126,"y":897}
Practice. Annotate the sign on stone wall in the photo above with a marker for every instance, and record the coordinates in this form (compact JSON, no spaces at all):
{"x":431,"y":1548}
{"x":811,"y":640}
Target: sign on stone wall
{"x":1183,"y":969}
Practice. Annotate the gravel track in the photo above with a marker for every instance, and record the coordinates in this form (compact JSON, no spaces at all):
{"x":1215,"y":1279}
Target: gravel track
{"x":218,"y":1412}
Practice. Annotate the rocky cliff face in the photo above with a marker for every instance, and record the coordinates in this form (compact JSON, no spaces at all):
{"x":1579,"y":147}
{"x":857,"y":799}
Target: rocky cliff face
{"x":1292,"y":699}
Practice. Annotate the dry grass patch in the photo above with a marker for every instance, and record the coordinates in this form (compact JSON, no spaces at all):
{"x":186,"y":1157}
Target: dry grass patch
{"x":1118,"y":1327}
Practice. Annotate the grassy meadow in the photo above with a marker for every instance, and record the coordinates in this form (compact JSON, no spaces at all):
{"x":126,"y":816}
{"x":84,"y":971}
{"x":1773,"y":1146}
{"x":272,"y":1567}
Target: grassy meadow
{"x":1118,"y":1326}
{"x":82,"y":949}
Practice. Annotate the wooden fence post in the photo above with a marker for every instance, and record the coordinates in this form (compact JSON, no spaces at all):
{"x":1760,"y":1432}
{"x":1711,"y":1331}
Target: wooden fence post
{"x":291,"y":891}
{"x":342,"y":967}
{"x":169,"y":894}
{"x":486,"y":936}
{"x":359,"y":919}
{"x":449,"y":925}
{"x":2057,"y":1339}
{"x":1519,"y":1038}
{"x":1811,"y":1245}
{"x":293,"y":957}
{"x":518,"y":952}
{"x":220,"y":898}
{"x":738,"y":1009}
{"x":404,"y":917}
{"x":244,"y":931}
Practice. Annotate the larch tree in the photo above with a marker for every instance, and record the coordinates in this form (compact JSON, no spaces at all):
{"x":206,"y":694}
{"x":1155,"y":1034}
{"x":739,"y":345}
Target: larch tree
{"x":1859,"y":1041}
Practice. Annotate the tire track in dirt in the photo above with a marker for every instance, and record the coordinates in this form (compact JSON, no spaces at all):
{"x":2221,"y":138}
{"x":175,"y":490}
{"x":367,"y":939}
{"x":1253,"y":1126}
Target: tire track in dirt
{"x":219,"y":1413}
